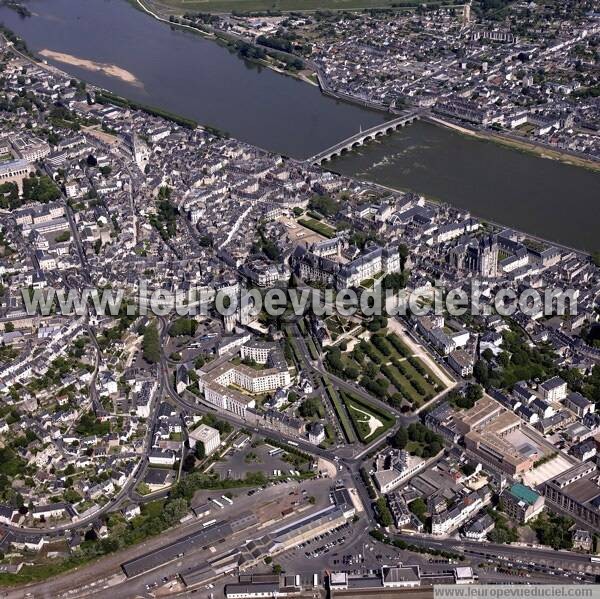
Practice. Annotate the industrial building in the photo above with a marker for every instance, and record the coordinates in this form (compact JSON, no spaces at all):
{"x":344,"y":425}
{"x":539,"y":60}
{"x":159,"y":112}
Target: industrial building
{"x":491,"y":434}
{"x":577,"y":493}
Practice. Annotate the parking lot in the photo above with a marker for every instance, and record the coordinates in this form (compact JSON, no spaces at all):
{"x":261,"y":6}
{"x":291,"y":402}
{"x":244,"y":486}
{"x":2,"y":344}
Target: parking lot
{"x":252,"y":459}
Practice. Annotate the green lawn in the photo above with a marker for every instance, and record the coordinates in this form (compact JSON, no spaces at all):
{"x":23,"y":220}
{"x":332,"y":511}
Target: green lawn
{"x":317,"y":227}
{"x":402,"y":384}
{"x":340,"y":411}
{"x":435,"y":381}
{"x":412,"y":374}
{"x":399,"y":345}
{"x":282,"y":5}
{"x":312,"y":348}
{"x":356,"y":406}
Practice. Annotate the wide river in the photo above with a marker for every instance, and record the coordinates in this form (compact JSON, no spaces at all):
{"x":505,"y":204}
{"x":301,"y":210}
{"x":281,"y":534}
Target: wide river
{"x":111,"y":44}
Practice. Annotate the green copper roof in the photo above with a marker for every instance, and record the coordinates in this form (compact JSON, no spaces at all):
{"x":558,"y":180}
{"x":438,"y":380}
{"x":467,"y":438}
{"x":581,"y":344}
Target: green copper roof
{"x":525,"y":493}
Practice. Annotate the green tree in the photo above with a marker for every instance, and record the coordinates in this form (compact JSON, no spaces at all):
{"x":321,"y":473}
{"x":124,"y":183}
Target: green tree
{"x":385,"y":516}
{"x":419,"y":508}
{"x":183,"y":326}
{"x":40,"y":189}
{"x":400,"y":439}
{"x":481,"y":372}
{"x":151,"y":344}
{"x":310,"y":407}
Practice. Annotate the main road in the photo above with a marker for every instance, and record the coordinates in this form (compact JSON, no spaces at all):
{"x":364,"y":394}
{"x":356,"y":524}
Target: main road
{"x":526,"y":555}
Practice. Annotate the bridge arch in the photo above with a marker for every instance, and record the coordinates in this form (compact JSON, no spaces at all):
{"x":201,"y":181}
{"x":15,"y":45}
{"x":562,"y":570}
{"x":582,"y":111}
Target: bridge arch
{"x":357,"y":140}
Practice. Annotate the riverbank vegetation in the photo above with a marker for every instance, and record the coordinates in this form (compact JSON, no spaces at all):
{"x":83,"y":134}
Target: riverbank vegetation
{"x":106,"y":97}
{"x":278,"y":6}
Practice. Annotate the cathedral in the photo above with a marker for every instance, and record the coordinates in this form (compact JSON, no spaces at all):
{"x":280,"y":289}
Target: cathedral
{"x":478,"y":256}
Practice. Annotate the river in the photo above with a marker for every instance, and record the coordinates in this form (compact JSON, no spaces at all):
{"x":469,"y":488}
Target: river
{"x":544,"y":197}
{"x":111,"y":44}
{"x":187,"y":74}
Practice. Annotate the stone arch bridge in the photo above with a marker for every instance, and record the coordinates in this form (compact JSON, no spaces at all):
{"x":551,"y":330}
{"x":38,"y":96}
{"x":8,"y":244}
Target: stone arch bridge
{"x":363,"y":137}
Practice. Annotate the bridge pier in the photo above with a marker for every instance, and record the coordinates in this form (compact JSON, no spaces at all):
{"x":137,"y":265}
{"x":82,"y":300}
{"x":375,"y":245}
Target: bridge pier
{"x":363,"y":137}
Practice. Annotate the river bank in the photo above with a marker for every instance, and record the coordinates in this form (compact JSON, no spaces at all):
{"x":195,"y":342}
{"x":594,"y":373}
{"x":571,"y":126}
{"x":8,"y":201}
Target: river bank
{"x":549,"y":199}
{"x":226,"y":40}
{"x":524,"y":145}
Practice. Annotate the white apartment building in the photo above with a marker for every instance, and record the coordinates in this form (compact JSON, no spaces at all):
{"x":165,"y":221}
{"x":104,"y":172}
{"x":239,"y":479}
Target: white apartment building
{"x":219,"y":382}
{"x":554,"y":389}
{"x":226,"y":399}
{"x":403,"y":468}
{"x":257,"y":350}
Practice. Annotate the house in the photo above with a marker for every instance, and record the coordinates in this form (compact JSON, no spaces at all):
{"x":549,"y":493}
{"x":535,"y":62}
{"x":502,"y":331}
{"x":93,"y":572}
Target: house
{"x":160,"y":457}
{"x":584,"y":450}
{"x":158,"y":478}
{"x":29,"y":543}
{"x":316,"y":433}
{"x":554,"y":389}
{"x":582,"y":539}
{"x":52,"y":510}
{"x":107,"y":381}
{"x":527,"y":414}
{"x":578,"y":404}
{"x":479,"y":528}
{"x":306,"y":386}
{"x":131,"y":511}
{"x":454,"y":516}
{"x":542,"y":409}
{"x":461,"y":362}
{"x":6,"y":514}
{"x":182,"y":379}
{"x":522,"y":392}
